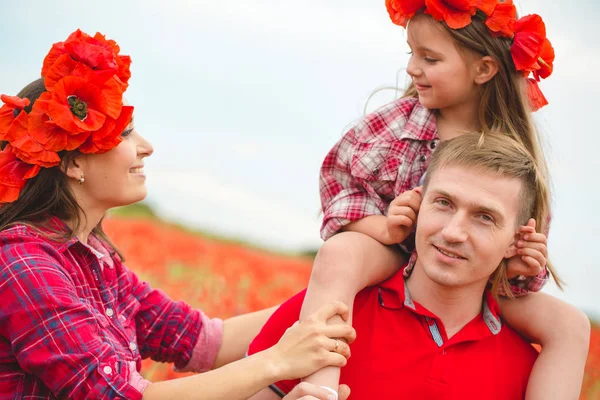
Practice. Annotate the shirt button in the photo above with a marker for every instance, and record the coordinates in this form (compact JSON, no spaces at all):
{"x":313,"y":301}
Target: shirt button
{"x":109,"y":312}
{"x":423,"y":158}
{"x":107,"y":370}
{"x":433,"y":145}
{"x":376,"y":171}
{"x":132,"y":346}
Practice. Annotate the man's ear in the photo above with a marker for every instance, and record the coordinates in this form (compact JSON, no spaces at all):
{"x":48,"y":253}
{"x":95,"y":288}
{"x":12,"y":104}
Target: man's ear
{"x":485,"y":69}
{"x":74,"y":169}
{"x":512,"y":249}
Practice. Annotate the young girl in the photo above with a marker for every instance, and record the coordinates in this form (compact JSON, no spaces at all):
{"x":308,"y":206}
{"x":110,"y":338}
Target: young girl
{"x":74,"y":321}
{"x":470,"y":65}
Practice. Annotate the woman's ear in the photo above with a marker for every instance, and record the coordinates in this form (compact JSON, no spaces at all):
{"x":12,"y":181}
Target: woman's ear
{"x":74,"y":168}
{"x":485,"y":69}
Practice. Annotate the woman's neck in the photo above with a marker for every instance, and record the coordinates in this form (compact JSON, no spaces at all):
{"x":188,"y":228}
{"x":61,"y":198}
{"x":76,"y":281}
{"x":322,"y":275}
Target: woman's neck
{"x":89,"y":217}
{"x":457,"y":120}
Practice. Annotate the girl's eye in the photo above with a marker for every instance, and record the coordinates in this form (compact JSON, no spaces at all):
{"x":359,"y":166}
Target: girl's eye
{"x":127,"y":132}
{"x":410,"y":53}
{"x":430,"y":60}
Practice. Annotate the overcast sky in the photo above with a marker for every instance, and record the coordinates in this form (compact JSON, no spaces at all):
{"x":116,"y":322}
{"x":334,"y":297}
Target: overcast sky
{"x":242,"y":99}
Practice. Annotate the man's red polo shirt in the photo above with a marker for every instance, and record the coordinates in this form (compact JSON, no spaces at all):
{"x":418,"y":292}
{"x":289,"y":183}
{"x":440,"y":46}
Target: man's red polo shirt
{"x":402,"y":350}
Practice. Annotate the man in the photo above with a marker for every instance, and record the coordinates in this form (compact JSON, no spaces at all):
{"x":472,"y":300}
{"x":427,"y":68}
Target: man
{"x":433,"y":332}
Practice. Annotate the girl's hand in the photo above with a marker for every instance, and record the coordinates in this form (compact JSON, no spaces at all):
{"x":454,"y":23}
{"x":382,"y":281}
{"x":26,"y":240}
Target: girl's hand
{"x":308,"y":391}
{"x":311,"y":344}
{"x":531,"y":254}
{"x":402,"y":215}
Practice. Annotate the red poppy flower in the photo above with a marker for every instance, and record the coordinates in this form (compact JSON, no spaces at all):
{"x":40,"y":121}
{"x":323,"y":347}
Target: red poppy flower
{"x":502,"y":20}
{"x":78,"y":105}
{"x":13,"y":175}
{"x":123,"y":62}
{"x":545,"y":61}
{"x":530,"y":34}
{"x":537,"y":99}
{"x":66,"y":66}
{"x":109,"y":136}
{"x":401,"y":11}
{"x":456,"y":13}
{"x":32,"y":152}
{"x":47,"y":133}
{"x":96,"y":52}
{"x":7,"y":111}
{"x":488,"y":6}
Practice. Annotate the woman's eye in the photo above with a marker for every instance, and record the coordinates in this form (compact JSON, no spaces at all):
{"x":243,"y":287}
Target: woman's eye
{"x":127,"y":132}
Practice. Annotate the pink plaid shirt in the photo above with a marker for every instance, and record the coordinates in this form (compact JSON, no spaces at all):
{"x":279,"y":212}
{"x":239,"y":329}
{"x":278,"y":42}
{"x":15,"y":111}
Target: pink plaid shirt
{"x":385,"y":154}
{"x":75,"y":322}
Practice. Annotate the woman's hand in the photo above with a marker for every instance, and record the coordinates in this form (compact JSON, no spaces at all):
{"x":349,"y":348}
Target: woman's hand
{"x":308,"y":391}
{"x":310,"y":345}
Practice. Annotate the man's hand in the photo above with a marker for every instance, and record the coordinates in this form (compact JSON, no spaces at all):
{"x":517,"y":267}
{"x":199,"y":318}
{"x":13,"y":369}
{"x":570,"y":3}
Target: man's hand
{"x":402,"y":215}
{"x":531,"y":253}
{"x":308,"y":391}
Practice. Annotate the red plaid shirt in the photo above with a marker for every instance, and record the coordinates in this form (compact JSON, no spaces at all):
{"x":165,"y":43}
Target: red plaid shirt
{"x":75,"y":322}
{"x":384,"y":155}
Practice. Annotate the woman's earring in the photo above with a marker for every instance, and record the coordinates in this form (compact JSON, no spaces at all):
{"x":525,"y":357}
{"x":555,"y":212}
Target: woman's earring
{"x":81,"y":180}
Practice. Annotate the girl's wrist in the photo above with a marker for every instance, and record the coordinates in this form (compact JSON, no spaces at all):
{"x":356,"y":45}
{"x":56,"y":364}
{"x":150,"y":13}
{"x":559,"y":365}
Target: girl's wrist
{"x":273,"y":365}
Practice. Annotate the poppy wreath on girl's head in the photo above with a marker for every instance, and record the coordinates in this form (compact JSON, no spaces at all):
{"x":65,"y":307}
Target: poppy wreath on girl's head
{"x":531,"y":51}
{"x":82,"y":108}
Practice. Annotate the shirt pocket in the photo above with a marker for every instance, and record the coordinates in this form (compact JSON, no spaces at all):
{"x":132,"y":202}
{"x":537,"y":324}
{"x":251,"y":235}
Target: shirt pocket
{"x":375,"y":166}
{"x":11,"y":385}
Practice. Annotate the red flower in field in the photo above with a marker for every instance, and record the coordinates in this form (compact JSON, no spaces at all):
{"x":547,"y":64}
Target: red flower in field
{"x":401,"y":11}
{"x":502,"y":20}
{"x":12,"y":104}
{"x":13,"y":175}
{"x":109,"y":136}
{"x":530,"y":35}
{"x":97,"y":53}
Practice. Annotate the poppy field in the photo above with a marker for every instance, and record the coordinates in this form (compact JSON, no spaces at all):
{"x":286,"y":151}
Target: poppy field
{"x":224,"y":278}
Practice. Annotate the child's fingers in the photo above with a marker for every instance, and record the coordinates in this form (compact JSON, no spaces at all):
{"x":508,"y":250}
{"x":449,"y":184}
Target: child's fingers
{"x":541,"y":247}
{"x":534,"y":237}
{"x":534,"y":266}
{"x":403,"y":210}
{"x":399,"y":220}
{"x":538,"y":257}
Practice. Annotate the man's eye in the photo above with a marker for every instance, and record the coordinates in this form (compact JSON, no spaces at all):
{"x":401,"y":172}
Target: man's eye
{"x":443,"y":202}
{"x":486,"y":218}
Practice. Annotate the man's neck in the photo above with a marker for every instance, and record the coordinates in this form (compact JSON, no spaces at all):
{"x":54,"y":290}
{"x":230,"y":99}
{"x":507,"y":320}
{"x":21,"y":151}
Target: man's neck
{"x":455,"y":306}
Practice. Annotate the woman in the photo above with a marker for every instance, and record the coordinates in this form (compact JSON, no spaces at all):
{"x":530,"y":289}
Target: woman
{"x":74,"y":321}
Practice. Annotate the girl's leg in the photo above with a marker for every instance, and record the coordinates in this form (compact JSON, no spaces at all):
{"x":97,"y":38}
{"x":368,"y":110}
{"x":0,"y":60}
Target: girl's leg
{"x":564,"y":334}
{"x":347,"y":263}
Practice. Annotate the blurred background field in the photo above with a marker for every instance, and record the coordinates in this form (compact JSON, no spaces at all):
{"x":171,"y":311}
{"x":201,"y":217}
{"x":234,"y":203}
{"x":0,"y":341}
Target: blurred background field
{"x":226,"y":278}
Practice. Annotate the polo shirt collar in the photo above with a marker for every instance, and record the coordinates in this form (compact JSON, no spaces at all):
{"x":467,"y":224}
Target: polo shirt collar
{"x":393,"y":294}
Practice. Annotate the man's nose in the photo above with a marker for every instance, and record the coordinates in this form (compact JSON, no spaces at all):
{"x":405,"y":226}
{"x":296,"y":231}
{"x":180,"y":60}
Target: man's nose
{"x":455,"y":230}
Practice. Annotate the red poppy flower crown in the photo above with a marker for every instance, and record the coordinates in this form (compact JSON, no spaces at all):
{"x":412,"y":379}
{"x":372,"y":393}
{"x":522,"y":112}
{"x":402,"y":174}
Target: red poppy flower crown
{"x":531,"y":50}
{"x":85,"y":78}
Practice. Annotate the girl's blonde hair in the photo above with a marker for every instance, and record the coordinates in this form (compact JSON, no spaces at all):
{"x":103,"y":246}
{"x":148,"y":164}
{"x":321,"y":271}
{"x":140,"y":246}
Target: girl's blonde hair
{"x":501,"y":155}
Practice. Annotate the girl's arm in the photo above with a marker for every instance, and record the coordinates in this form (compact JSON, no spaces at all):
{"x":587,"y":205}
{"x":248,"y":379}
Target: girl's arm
{"x":564,"y":334}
